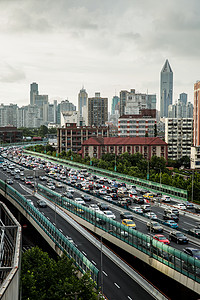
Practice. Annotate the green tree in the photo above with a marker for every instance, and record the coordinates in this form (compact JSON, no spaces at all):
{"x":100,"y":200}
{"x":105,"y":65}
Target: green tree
{"x":43,"y":130}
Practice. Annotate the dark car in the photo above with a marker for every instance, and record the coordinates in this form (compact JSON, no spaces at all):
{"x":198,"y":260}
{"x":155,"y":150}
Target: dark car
{"x":194,"y":232}
{"x":178,"y":237}
{"x":128,"y":201}
{"x":86,"y":197}
{"x":192,"y":252}
{"x":170,"y":216}
{"x":154,"y":226}
{"x":68,"y":195}
{"x":103,"y":206}
{"x":126,"y":215}
{"x":138,"y":200}
{"x":114,"y":196}
{"x":41,"y":203}
{"x":17,"y":177}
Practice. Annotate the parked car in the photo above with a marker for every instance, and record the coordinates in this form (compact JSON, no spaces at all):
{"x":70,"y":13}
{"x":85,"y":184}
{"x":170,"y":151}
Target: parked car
{"x":161,"y":238}
{"x":178,"y":237}
{"x":171,"y":223}
{"x":154,"y":226}
{"x":129,"y":223}
{"x":126,"y":215}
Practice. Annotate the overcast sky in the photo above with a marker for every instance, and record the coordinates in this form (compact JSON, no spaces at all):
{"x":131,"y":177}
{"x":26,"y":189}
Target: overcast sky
{"x":105,"y":45}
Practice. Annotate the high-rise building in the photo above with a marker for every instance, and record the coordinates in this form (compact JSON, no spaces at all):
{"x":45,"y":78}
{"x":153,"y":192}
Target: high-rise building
{"x":97,"y":110}
{"x":115,"y":104}
{"x":65,"y":105}
{"x":82,"y":101}
{"x":178,"y":136}
{"x":166,"y":89}
{"x":33,"y":92}
{"x":183,"y":98}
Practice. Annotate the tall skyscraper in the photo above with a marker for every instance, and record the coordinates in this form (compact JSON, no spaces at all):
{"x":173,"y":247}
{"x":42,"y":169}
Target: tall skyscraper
{"x":82,"y":101}
{"x":33,"y":92}
{"x":97,"y":110}
{"x":183,"y":98}
{"x":166,"y":89}
{"x":196,"y":114}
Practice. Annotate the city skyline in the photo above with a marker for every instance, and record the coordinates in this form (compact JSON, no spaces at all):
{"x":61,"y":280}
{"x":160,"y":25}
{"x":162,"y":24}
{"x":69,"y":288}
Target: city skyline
{"x":105,"y":47}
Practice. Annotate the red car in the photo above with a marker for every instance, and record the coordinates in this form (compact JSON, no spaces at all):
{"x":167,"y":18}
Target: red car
{"x":161,"y":238}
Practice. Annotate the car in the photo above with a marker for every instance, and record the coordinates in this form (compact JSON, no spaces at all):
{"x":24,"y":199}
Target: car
{"x":126,"y":215}
{"x":94,"y":207}
{"x":154,"y":226}
{"x":180,"y":206}
{"x":70,"y":189}
{"x":79,"y":201}
{"x":171,"y":223}
{"x":129,"y":223}
{"x":41,"y":203}
{"x":194,"y":232}
{"x":171,"y":210}
{"x":166,"y":199}
{"x":170,"y":216}
{"x":189,"y":205}
{"x":68,"y":195}
{"x":146,"y":207}
{"x":161,"y":238}
{"x":138,"y":200}
{"x":136,"y":209}
{"x":148,"y":195}
{"x":151,"y":215}
{"x":51,"y":186}
{"x":17,"y":177}
{"x":109,"y":214}
{"x":114,"y":197}
{"x":132,"y":192}
{"x":28,"y":182}
{"x":9,"y":181}
{"x":103,"y":206}
{"x":128,"y":200}
{"x":192,"y":252}
{"x":107,"y":198}
{"x":178,"y":237}
{"x":86,"y":198}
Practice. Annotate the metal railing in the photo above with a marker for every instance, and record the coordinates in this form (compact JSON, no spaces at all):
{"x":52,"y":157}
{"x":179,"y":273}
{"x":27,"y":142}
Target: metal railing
{"x":53,"y":233}
{"x":169,"y":256}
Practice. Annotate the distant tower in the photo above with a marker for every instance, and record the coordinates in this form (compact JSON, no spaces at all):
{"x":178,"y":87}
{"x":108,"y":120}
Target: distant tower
{"x":166,"y":89}
{"x":183,"y":98}
{"x":33,"y":92}
{"x":82,"y":101}
{"x":115,"y":104}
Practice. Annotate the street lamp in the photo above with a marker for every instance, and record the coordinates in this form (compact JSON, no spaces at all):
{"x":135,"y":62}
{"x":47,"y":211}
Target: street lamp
{"x":192,"y":196}
{"x":101,"y":263}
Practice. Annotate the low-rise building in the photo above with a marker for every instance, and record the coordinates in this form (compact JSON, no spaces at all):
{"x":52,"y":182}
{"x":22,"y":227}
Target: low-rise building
{"x":178,"y":136}
{"x":147,"y":146}
{"x":10,"y":134}
{"x":72,"y":136}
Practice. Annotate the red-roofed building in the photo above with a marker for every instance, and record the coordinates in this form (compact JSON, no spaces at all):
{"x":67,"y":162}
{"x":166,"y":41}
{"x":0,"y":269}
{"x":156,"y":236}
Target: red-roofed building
{"x":147,"y":146}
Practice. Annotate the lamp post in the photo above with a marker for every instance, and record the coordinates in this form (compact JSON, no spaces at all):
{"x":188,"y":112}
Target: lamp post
{"x":101,"y":259}
{"x":192,"y":196}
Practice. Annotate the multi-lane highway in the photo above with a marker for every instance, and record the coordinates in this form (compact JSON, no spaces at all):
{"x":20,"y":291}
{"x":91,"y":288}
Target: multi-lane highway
{"x":187,"y":219}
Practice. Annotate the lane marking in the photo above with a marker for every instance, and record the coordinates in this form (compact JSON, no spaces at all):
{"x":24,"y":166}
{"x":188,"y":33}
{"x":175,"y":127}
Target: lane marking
{"x":189,"y":224}
{"x":104,"y":273}
{"x":84,"y":253}
{"x":54,"y":224}
{"x":129,"y":298}
{"x":116,"y":285}
{"x":60,"y":230}
{"x":48,"y":218}
{"x":93,"y":262}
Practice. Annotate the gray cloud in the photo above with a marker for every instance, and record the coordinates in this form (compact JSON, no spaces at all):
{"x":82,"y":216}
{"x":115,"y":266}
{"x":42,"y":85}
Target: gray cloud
{"x":11,"y":74}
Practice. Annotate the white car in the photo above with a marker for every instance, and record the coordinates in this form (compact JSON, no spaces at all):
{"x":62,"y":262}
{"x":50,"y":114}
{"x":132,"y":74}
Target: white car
{"x":107,"y":198}
{"x":71,"y":190}
{"x":180,"y":206}
{"x":102,"y":192}
{"x":137,"y":209}
{"x":151,"y":215}
{"x":94,"y":207}
{"x":109,"y":214}
{"x":30,"y":202}
{"x":79,"y":201}
{"x":166,"y":198}
{"x":132,"y":192}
